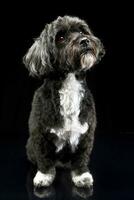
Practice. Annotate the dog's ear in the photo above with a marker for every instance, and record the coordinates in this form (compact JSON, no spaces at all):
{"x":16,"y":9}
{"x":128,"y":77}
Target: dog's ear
{"x":101,"y":51}
{"x":33,"y":60}
{"x":36,"y":59}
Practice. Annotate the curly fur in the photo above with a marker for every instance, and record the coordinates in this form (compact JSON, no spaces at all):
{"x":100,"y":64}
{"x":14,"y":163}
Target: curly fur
{"x":66,"y":48}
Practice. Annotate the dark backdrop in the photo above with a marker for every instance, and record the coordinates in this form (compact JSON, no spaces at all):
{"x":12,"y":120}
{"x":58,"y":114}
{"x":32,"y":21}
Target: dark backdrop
{"x":110,"y":81}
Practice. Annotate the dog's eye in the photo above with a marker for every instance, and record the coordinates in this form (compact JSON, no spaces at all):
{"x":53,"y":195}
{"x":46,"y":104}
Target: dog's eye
{"x":60,"y":37}
{"x":82,"y":30}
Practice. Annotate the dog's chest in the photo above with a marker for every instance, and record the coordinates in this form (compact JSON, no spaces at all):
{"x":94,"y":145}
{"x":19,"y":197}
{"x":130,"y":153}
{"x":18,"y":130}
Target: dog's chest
{"x":71,"y":95}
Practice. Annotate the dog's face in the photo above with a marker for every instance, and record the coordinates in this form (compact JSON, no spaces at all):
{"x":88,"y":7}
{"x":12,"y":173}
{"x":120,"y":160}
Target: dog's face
{"x":65,"y":45}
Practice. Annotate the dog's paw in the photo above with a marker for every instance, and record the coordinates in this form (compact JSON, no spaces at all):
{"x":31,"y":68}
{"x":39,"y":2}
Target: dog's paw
{"x":43,"y":180}
{"x":83,"y":180}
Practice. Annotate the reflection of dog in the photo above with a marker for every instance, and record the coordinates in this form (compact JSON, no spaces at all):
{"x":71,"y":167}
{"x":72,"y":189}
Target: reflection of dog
{"x":62,"y":119}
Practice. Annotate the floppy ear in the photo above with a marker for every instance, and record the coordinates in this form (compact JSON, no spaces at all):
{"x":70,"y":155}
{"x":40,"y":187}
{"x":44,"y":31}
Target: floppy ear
{"x":101,"y":51}
{"x":32,"y":59}
{"x":37,"y":58}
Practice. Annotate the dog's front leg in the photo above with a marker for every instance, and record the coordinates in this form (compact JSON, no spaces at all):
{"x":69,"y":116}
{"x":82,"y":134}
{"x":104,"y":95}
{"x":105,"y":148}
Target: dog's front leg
{"x":46,"y":171}
{"x":81,"y":176}
{"x":43,"y":152}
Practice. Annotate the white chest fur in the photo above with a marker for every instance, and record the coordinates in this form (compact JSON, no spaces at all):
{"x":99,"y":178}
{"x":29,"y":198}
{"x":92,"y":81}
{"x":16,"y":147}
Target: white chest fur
{"x":71,"y":95}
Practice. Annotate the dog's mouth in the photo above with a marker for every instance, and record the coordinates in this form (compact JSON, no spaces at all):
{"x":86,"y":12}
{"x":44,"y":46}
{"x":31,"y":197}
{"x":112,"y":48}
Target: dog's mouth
{"x":87,"y":50}
{"x":87,"y":58}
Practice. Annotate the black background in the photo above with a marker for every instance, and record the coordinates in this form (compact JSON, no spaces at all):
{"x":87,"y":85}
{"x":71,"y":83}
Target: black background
{"x":111,"y":83}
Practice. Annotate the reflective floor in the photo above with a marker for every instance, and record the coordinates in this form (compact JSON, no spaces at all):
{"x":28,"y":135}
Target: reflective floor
{"x":112,"y":166}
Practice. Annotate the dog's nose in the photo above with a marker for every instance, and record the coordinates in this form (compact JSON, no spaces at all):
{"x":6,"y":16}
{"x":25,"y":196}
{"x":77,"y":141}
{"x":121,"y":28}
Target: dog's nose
{"x":84,"y":42}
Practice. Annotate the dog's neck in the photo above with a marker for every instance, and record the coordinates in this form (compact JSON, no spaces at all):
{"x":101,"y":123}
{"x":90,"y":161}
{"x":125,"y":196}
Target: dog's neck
{"x":61,"y":76}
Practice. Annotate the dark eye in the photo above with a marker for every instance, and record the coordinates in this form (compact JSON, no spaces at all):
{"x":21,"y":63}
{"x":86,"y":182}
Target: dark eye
{"x":82,"y":30}
{"x":60,"y":37}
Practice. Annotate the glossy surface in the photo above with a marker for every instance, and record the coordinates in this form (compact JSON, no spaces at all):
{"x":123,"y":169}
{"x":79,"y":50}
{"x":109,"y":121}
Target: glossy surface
{"x":112,"y":167}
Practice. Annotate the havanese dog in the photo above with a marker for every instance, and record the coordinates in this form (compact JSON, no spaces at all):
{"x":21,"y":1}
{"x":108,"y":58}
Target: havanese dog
{"x":63,"y":119}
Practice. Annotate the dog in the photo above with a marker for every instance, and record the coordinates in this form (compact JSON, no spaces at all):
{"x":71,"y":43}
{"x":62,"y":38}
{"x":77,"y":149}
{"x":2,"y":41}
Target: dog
{"x":62,"y":121}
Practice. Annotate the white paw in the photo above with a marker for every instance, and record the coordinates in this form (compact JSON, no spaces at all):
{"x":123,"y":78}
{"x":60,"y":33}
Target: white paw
{"x":42,"y":180}
{"x":83,"y":180}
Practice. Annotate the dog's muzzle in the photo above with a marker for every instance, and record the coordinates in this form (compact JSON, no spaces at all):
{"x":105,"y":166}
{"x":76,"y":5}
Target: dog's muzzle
{"x":87,"y":52}
{"x":84,"y":42}
{"x":86,"y":46}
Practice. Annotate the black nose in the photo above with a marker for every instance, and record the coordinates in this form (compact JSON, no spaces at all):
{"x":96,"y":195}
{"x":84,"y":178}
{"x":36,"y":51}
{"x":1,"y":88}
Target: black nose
{"x":84,"y":42}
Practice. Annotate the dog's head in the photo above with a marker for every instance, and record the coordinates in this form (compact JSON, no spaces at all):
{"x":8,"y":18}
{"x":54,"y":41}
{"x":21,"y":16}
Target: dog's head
{"x":65,"y":45}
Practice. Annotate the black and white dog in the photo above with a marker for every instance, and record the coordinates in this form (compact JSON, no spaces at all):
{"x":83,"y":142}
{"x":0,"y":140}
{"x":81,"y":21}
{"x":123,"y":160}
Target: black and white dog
{"x":62,"y":120}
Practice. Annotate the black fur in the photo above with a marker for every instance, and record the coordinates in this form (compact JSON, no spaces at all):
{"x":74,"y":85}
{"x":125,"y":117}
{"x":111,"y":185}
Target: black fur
{"x":45,"y":114}
{"x":53,"y":60}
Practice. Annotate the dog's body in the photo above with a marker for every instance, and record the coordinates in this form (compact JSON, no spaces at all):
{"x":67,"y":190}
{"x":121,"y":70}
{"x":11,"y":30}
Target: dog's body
{"x":62,"y":120}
